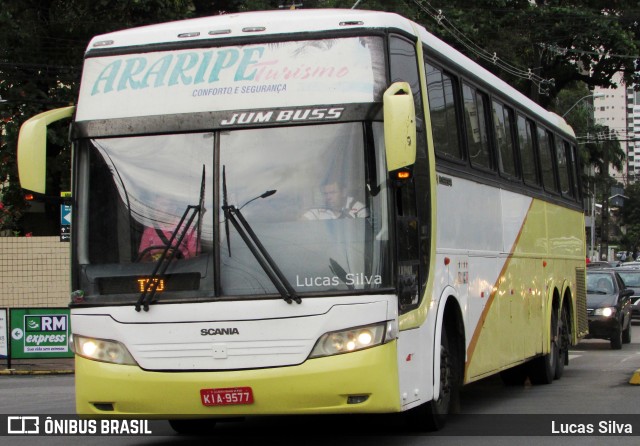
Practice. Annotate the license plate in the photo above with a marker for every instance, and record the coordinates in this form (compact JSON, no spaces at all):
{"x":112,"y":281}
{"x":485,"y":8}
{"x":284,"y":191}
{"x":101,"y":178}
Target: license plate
{"x":226,"y":397}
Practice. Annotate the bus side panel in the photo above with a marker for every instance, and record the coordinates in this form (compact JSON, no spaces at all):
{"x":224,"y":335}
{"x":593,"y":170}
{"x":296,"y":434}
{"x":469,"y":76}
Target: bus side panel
{"x":415,"y":363}
{"x":498,"y":289}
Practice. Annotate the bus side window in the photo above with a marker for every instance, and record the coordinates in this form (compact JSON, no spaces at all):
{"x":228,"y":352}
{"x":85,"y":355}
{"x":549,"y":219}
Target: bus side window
{"x":564,"y":169}
{"x":527,"y":155}
{"x":545,"y":148}
{"x":503,"y":123}
{"x":574,"y":169}
{"x":443,"y":113}
{"x":476,"y":125}
{"x":407,"y":234}
{"x":413,"y":202}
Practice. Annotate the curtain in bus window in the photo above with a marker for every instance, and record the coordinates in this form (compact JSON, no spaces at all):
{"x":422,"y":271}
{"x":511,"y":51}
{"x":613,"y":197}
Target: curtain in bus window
{"x":546,"y":160}
{"x":140,"y":188}
{"x":502,"y":117}
{"x":443,"y":113}
{"x":527,"y":155}
{"x":475,"y":120}
{"x":563,"y":158}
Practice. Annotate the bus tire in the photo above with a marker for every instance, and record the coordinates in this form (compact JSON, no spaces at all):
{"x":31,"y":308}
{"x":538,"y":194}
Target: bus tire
{"x":563,"y":343}
{"x":542,"y":370}
{"x":514,"y":376}
{"x":432,"y":416}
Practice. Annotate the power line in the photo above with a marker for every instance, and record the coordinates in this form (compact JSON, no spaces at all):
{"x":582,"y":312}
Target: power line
{"x":437,"y":15}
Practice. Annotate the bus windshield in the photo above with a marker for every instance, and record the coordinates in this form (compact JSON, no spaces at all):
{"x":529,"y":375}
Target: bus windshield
{"x":312,"y":195}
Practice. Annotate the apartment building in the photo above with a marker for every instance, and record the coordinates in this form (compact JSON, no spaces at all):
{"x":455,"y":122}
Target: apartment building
{"x":619,"y":109}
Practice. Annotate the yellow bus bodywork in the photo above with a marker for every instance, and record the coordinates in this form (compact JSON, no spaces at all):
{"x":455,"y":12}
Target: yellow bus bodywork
{"x":319,"y":386}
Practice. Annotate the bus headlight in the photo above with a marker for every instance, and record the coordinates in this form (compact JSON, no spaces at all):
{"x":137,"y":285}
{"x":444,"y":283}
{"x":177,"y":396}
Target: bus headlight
{"x":102,"y":350}
{"x":605,"y":311}
{"x":354,"y":339}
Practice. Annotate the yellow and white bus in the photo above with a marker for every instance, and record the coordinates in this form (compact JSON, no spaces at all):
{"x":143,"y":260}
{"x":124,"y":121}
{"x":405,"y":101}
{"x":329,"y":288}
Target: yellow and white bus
{"x":310,"y":212}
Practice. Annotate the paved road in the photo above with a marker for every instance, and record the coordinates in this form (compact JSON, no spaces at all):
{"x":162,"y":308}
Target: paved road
{"x":595,"y":388}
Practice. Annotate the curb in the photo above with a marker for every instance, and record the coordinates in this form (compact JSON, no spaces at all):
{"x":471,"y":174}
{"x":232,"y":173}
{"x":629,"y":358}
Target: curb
{"x":635,"y":379}
{"x":36,"y":372}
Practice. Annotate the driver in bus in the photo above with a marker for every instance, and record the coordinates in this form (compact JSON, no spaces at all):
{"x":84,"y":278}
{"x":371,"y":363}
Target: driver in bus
{"x":337,"y":205}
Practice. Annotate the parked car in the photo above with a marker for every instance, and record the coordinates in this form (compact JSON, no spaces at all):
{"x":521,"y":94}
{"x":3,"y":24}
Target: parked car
{"x":608,"y":307}
{"x":630,"y":275}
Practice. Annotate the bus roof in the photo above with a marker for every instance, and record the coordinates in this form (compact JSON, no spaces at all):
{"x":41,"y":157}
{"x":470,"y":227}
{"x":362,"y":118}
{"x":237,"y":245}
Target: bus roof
{"x":278,"y":22}
{"x":251,"y":23}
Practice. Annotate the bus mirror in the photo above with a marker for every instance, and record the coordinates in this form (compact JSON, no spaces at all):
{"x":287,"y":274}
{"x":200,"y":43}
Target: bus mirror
{"x":32,"y":148}
{"x":399,"y":126}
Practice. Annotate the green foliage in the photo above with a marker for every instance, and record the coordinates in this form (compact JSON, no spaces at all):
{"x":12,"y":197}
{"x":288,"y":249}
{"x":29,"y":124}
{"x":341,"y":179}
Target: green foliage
{"x":42,"y":45}
{"x":563,"y":41}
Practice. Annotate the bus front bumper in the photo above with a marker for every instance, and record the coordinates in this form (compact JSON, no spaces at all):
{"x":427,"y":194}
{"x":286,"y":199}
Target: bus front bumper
{"x":318,"y":386}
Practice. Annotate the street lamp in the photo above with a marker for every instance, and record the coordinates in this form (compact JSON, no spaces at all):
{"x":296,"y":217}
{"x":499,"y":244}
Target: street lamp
{"x":592,"y":95}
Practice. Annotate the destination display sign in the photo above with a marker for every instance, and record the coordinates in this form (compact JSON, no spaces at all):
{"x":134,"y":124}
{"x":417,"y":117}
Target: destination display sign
{"x":345,"y":70}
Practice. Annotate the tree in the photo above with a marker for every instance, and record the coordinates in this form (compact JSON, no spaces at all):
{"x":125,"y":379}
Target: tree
{"x":42,"y":44}
{"x":630,"y":217}
{"x":561,"y":42}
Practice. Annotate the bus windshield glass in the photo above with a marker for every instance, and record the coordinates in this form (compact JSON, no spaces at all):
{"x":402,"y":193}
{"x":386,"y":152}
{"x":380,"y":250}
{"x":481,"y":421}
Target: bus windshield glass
{"x":313,"y":197}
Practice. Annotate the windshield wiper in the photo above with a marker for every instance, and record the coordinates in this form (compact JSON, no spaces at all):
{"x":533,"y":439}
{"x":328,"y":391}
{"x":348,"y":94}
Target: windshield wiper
{"x":148,"y":295}
{"x":166,"y":257}
{"x":340,"y":273}
{"x":232,"y":214}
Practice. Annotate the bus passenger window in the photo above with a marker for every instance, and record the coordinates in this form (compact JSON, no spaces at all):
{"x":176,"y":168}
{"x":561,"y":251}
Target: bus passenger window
{"x":546,"y":160}
{"x":572,"y":161}
{"x":502,"y":119}
{"x":527,"y":155}
{"x":475,"y":120}
{"x":563,"y":156}
{"x":443,"y":113}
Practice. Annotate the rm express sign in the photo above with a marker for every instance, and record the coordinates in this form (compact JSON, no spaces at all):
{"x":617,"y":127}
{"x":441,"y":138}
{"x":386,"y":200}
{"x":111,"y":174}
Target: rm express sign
{"x":40,"y":333}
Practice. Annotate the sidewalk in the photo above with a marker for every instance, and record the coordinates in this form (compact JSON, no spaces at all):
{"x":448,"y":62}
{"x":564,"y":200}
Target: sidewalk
{"x":53,"y":366}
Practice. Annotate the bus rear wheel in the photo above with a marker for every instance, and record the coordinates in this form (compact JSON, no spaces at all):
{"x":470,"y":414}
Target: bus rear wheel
{"x":542,"y":370}
{"x":563,"y":343}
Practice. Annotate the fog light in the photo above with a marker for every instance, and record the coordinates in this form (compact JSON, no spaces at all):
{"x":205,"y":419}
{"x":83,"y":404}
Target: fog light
{"x":357,"y":399}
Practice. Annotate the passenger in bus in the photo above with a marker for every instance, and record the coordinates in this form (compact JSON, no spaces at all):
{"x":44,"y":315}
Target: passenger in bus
{"x":337,"y":205}
{"x":156,"y":238}
{"x":154,"y":241}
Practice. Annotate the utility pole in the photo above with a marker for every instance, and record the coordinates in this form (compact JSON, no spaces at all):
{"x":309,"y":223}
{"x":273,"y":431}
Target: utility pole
{"x":604,"y":246}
